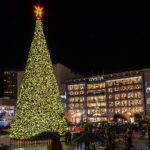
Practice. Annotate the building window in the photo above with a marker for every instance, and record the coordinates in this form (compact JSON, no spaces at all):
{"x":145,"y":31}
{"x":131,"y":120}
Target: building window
{"x":110,"y":90}
{"x":123,"y":95}
{"x":117,"y":96}
{"x":110,"y":96}
{"x":109,"y":83}
{"x":76,"y":87}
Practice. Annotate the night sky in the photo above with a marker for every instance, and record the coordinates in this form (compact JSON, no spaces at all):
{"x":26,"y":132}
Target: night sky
{"x":89,"y":38}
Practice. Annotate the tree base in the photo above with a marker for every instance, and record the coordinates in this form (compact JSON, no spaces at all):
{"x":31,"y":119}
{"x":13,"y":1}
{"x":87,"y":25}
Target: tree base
{"x":29,"y":142}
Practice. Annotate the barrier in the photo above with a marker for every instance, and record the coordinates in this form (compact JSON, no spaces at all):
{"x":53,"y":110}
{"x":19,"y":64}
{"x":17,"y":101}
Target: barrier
{"x":16,"y":143}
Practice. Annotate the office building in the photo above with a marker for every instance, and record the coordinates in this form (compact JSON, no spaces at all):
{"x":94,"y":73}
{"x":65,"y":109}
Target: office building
{"x":12,"y":81}
{"x":13,"y":78}
{"x":99,"y":98}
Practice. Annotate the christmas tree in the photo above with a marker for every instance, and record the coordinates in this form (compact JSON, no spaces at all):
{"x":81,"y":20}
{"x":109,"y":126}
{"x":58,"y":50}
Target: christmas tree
{"x":39,"y":108}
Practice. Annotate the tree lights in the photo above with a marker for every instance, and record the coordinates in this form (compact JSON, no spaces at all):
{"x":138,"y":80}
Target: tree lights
{"x":39,"y":107}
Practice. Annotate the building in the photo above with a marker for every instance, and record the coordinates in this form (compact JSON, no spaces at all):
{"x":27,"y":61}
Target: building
{"x":100,"y":97}
{"x":13,"y":78}
{"x":12,"y":82}
{"x":7,"y":110}
{"x":62,"y":74}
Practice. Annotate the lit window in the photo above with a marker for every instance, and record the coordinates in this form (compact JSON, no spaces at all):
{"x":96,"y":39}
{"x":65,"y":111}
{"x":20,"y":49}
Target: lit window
{"x":110,"y":90}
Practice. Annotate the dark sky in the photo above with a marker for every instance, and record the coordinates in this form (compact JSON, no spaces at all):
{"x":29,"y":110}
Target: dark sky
{"x":89,"y":38}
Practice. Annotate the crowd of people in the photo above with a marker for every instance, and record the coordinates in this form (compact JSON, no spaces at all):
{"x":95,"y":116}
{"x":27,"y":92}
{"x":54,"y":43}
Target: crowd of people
{"x":111,"y":132}
{"x":4,"y":147}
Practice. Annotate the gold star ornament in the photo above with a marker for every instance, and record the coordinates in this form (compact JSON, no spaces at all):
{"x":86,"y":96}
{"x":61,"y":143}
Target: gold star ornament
{"x":38,"y":10}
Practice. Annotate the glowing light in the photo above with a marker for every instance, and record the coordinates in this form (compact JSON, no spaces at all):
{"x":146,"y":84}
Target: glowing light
{"x":39,"y":108}
{"x":38,"y":10}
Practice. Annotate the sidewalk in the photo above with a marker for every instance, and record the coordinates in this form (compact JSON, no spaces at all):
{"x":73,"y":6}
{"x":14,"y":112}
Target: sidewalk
{"x":138,"y":141}
{"x":5,"y":140}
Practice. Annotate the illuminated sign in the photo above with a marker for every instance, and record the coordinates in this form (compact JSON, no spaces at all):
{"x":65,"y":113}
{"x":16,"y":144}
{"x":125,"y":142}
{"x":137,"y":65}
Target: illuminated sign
{"x":148,"y":90}
{"x":63,"y":96}
{"x":99,"y":78}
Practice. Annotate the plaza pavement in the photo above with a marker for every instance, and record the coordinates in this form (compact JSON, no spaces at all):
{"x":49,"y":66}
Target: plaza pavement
{"x":138,"y":142}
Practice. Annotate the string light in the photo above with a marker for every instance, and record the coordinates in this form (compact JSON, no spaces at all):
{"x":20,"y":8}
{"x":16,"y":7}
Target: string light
{"x":39,"y":108}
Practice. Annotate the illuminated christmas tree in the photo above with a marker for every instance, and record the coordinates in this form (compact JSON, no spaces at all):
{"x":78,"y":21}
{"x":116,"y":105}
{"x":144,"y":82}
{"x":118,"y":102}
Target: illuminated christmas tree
{"x":39,"y":108}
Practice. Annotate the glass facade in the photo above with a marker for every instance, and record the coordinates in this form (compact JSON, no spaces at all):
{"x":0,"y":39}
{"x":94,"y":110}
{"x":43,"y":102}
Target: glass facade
{"x":125,"y":95}
{"x":10,"y":84}
{"x":76,"y":100}
{"x":86,"y":101}
{"x":97,"y":98}
{"x":6,"y":115}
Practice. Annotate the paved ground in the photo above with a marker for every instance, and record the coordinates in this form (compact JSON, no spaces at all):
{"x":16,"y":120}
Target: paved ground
{"x":4,"y":139}
{"x":139,"y":143}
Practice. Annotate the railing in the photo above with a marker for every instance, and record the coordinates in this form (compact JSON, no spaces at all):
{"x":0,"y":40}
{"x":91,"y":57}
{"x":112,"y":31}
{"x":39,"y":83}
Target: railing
{"x":14,"y":143}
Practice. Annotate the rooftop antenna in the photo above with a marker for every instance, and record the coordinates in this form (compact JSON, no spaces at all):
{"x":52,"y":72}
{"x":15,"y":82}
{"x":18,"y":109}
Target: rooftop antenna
{"x":92,"y":72}
{"x":103,"y":72}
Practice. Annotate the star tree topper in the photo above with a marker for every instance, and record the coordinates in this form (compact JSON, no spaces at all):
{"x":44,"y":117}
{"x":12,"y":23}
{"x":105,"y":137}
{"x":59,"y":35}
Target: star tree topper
{"x":38,"y":10}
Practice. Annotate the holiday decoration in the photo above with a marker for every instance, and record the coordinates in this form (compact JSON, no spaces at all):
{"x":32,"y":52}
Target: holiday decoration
{"x":38,"y":10}
{"x":39,"y":108}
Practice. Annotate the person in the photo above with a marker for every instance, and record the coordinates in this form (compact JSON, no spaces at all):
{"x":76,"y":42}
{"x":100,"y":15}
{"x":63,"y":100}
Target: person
{"x":132,"y":147}
{"x":3,"y":147}
{"x":68,"y":137}
{"x":129,"y":140}
{"x":149,"y":131}
{"x":56,"y":145}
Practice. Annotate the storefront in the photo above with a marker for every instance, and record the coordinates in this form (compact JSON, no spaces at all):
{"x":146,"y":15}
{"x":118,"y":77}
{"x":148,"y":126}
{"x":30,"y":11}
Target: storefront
{"x":7,"y":110}
{"x":100,"y":97}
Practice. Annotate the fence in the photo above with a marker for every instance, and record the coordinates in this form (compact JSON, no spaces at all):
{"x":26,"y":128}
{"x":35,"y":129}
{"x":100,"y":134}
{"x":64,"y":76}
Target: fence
{"x":16,"y":143}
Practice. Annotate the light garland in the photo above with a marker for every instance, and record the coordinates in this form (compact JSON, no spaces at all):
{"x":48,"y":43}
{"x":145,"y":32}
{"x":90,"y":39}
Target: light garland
{"x":39,"y":106}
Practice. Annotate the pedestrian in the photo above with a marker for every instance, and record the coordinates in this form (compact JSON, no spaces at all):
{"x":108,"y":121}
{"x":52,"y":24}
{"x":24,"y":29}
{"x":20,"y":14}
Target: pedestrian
{"x":132,"y":147}
{"x":149,"y":131}
{"x":56,"y":145}
{"x":66,"y":138}
{"x":3,"y":147}
{"x":69,"y":137}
